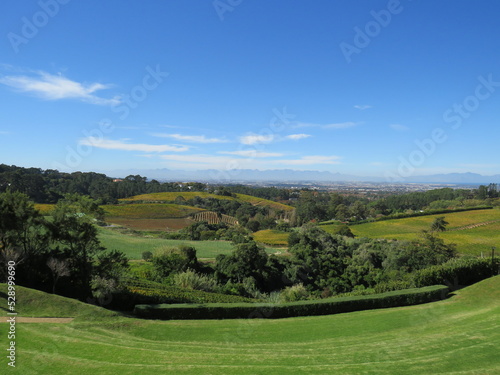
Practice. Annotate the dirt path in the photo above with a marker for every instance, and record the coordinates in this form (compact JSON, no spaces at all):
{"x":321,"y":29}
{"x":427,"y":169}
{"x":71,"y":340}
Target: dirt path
{"x":474,"y":225}
{"x":23,"y":319}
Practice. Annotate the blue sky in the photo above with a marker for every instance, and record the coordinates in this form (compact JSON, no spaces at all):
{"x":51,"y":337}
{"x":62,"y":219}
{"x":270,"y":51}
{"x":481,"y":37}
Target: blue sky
{"x":372,"y":88}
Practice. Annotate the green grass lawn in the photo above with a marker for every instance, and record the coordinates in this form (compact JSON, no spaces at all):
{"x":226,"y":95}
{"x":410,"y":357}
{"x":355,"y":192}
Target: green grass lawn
{"x":469,"y":241}
{"x":460,"y":335}
{"x":134,"y":246}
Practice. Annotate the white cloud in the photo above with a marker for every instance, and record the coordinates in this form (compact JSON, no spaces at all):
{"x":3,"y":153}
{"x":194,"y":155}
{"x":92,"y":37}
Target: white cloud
{"x":362,"y":107}
{"x":251,"y":153}
{"x":122,"y":145}
{"x":4,"y":132}
{"x":338,"y":125}
{"x":57,"y":87}
{"x":297,"y":136}
{"x":399,"y":127}
{"x":190,"y":138}
{"x":341,"y":125}
{"x":252,"y":139}
{"x":313,"y":159}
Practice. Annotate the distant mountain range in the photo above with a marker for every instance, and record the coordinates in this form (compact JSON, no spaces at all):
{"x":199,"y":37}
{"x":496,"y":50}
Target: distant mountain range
{"x":290,"y":175}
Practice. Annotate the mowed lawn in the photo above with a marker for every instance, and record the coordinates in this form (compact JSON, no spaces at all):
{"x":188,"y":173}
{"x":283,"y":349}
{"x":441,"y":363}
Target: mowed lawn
{"x":460,"y":335}
{"x":134,"y":246}
{"x":472,"y":241}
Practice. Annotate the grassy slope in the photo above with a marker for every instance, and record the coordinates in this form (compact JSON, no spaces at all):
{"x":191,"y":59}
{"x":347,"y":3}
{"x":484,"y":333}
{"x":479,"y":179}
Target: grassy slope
{"x":149,"y":211}
{"x":469,"y":241}
{"x":171,"y":196}
{"x":34,"y":303}
{"x":459,"y":335}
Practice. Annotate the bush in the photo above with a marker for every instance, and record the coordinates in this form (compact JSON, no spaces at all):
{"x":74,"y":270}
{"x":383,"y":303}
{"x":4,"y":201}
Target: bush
{"x":192,"y":280}
{"x":147,"y":255}
{"x":292,"y":309}
{"x":294,"y":293}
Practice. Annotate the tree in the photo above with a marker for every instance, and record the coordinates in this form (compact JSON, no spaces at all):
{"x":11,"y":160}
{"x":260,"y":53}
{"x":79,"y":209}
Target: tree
{"x":344,"y":230}
{"x":439,"y":224}
{"x":342,"y":212}
{"x":247,"y":260}
{"x":59,"y":268}
{"x":77,"y":240}
{"x":171,"y":260}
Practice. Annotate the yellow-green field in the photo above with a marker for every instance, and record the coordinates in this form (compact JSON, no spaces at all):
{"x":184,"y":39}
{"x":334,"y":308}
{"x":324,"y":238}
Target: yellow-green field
{"x":171,"y":196}
{"x":271,"y":237}
{"x":471,"y":240}
{"x":44,"y":208}
{"x":149,"y":211}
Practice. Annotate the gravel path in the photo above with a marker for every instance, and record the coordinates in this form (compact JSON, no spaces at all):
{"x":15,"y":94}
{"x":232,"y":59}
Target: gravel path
{"x":23,"y":319}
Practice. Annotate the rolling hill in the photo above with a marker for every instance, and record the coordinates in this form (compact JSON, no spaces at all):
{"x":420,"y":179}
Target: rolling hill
{"x":474,"y":232}
{"x":457,"y":335}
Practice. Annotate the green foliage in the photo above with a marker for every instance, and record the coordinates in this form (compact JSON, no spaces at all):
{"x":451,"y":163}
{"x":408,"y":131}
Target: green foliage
{"x":144,"y":291}
{"x":247,"y":260}
{"x":294,"y":293}
{"x":147,"y":255}
{"x":292,"y":309}
{"x":344,"y":230}
{"x":439,"y":224}
{"x":170,"y":260}
{"x":191,"y":280}
{"x":455,"y":272}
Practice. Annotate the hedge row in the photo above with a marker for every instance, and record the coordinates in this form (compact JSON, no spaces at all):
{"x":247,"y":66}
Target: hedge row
{"x":142,"y":291}
{"x":457,"y":272}
{"x":286,"y":310}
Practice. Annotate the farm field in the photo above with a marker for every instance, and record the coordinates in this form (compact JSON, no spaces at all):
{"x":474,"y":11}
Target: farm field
{"x":160,"y":216}
{"x":457,"y":335}
{"x":271,"y":237}
{"x":134,"y":246}
{"x":149,"y":211}
{"x":171,"y":196}
{"x":473,"y":231}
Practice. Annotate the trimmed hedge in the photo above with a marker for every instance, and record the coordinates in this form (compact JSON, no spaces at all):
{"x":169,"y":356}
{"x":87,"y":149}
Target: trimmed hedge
{"x":286,"y":310}
{"x":139,"y":291}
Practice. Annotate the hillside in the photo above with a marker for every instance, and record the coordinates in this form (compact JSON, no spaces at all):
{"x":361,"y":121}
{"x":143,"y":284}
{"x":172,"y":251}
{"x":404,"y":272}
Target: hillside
{"x":458,"y":335}
{"x":172,"y":196}
{"x":474,"y":232}
{"x":35,"y":303}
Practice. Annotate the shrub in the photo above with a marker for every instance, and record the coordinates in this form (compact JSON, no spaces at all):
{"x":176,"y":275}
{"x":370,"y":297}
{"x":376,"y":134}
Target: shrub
{"x":147,"y":255}
{"x":192,"y":280}
{"x":294,"y":293}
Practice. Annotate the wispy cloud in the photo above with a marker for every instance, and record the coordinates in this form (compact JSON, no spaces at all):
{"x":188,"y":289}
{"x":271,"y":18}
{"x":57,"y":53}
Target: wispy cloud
{"x":252,"y":139}
{"x":362,"y":107}
{"x":190,"y":138}
{"x":4,"y":132}
{"x":341,"y":125}
{"x":123,"y":145}
{"x":313,"y":159}
{"x":252,"y":153}
{"x":296,"y":137}
{"x":337,"y":125}
{"x":399,"y":127}
{"x":57,"y":87}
